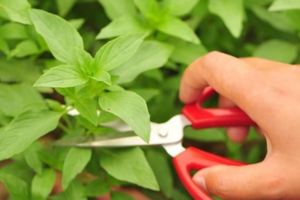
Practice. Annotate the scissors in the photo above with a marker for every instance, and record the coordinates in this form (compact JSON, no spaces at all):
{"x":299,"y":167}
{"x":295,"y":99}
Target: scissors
{"x":170,"y":135}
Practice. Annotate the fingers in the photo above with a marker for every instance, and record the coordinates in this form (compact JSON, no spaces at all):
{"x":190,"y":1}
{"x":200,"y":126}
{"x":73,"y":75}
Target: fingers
{"x":231,"y":77}
{"x":236,"y":134}
{"x":258,"y":181}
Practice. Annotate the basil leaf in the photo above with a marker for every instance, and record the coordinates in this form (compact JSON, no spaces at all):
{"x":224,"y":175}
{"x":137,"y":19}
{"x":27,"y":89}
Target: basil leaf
{"x":278,"y":50}
{"x":179,"y":8}
{"x":61,"y":76}
{"x":150,"y":55}
{"x":162,"y":170}
{"x":123,"y":26}
{"x":4,"y":48}
{"x":75,"y":191}
{"x":149,"y":8}
{"x":75,"y":162}
{"x":16,"y":10}
{"x":32,"y":157}
{"x":118,"y":51}
{"x":279,"y":5}
{"x":42,"y":184}
{"x":231,"y":12}
{"x":116,"y":9}
{"x":62,"y":38}
{"x":178,"y":28}
{"x":129,"y":164}
{"x":88,"y":109}
{"x":24,"y":130}
{"x":131,"y":108}
{"x":11,"y":104}
{"x":13,"y":31}
{"x":24,"y":48}
{"x":185,"y":52}
{"x":18,"y":188}
{"x":64,"y":6}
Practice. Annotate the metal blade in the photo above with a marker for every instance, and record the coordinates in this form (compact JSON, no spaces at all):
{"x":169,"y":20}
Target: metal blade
{"x":170,"y":132}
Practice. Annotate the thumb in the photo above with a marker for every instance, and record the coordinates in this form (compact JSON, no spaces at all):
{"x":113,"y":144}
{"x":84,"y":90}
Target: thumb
{"x":257,"y":181}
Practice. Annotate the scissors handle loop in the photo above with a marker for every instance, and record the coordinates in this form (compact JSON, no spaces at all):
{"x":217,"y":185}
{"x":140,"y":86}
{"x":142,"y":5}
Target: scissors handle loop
{"x":201,"y":117}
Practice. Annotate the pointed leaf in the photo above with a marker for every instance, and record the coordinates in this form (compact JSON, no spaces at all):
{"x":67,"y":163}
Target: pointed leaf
{"x":124,"y":25}
{"x":118,"y":51}
{"x":278,"y":5}
{"x":179,"y":8}
{"x":178,"y":28}
{"x":116,"y":9}
{"x":24,"y":48}
{"x":61,"y":76}
{"x":151,"y":55}
{"x":231,"y":12}
{"x":64,"y":6}
{"x":88,"y":109}
{"x":129,"y":164}
{"x":131,"y":108}
{"x":75,"y":162}
{"x":12,"y":105}
{"x":16,"y":10}
{"x":18,"y":188}
{"x":24,"y":130}
{"x":42,"y":184}
{"x":62,"y":38}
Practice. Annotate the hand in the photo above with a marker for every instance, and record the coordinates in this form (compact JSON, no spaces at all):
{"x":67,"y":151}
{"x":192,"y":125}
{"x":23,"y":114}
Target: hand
{"x":269,"y":92}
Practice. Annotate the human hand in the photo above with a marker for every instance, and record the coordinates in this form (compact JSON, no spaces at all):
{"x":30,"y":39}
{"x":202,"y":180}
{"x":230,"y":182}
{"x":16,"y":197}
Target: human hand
{"x":269,"y":92}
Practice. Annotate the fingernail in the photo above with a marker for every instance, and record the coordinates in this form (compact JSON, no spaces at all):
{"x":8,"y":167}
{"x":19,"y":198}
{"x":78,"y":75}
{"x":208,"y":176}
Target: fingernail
{"x":200,"y":181}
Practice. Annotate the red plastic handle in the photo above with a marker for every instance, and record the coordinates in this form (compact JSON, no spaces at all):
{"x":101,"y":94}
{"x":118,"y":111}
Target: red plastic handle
{"x":214,"y":117}
{"x":195,"y":159}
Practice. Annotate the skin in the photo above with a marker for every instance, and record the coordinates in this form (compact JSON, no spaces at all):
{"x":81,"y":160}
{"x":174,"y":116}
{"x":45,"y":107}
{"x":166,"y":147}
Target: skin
{"x":269,"y":93}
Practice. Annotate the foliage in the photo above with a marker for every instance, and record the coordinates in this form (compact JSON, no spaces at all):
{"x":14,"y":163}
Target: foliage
{"x":117,"y":60}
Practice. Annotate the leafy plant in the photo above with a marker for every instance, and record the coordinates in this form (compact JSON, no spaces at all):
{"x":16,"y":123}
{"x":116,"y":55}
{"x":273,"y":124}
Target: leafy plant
{"x":117,"y":60}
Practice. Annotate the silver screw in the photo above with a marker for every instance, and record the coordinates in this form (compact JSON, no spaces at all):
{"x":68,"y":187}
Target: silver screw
{"x":163,"y":132}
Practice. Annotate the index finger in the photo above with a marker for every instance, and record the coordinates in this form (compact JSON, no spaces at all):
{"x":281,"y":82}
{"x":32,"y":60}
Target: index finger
{"x":231,"y":77}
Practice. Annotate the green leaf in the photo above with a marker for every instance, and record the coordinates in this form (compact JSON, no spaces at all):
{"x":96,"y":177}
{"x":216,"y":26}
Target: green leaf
{"x":13,"y":31}
{"x":185,"y":52}
{"x":32,"y":157}
{"x":23,"y":130}
{"x":163,"y":172}
{"x":179,"y":8}
{"x":231,"y":12}
{"x":279,"y":5}
{"x":97,"y":188}
{"x":116,"y":9}
{"x":118,"y":51}
{"x":62,"y":38}
{"x":131,"y":108}
{"x":178,"y":28}
{"x":61,"y":76}
{"x":75,"y":191}
{"x":150,"y":55}
{"x":18,"y":188}
{"x":22,"y":71}
{"x":42,"y":184}
{"x":124,"y":25}
{"x":75,"y":162}
{"x":150,"y":9}
{"x":16,"y":10}
{"x":4,"y":48}
{"x":102,"y":76}
{"x":278,"y":50}
{"x":11,"y":104}
{"x":88,"y":109}
{"x":24,"y":48}
{"x":129,"y":164}
{"x":64,"y":6}
{"x":280,"y":21}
